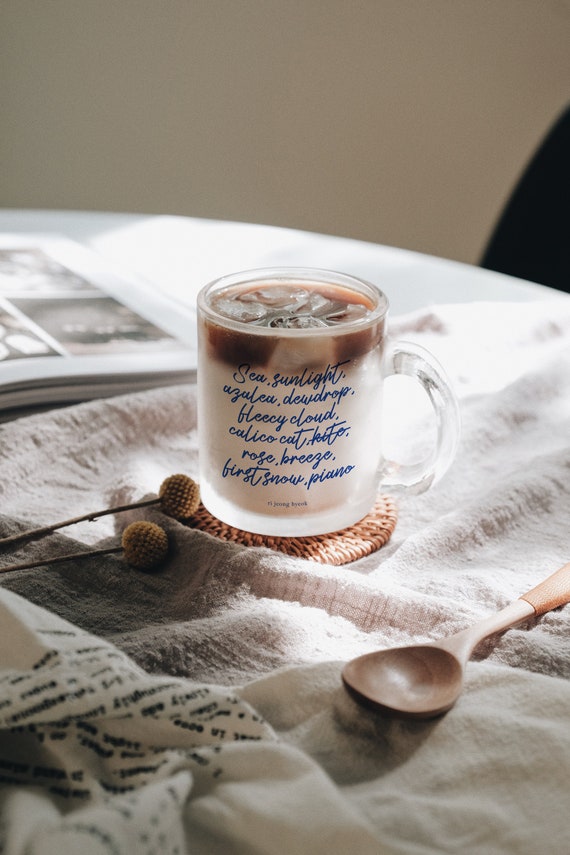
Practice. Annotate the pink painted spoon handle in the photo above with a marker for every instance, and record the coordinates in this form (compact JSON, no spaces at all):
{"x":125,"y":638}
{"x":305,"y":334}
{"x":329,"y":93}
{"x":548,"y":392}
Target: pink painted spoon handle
{"x":553,"y":592}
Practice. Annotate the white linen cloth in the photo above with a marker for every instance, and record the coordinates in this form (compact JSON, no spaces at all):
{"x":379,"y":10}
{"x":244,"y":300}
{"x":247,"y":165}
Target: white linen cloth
{"x":200,"y":708}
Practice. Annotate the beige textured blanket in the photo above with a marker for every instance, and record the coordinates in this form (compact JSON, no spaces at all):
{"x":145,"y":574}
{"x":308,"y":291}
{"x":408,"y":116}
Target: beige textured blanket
{"x":200,"y":709}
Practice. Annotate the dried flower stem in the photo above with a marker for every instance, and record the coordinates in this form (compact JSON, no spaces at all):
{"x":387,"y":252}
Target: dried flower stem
{"x":178,"y":496}
{"x":36,"y":533}
{"x":144,"y":544}
{"x":26,"y":565}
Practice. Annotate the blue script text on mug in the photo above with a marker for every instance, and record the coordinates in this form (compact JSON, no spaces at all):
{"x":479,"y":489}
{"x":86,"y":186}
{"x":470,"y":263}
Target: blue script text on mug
{"x":291,"y":365}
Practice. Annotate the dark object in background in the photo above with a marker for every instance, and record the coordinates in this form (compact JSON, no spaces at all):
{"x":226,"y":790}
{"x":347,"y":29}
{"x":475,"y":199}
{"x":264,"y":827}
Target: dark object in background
{"x":532,"y":237}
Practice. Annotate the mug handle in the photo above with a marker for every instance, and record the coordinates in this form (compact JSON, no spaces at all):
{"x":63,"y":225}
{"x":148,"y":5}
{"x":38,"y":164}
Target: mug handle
{"x":414,"y":361}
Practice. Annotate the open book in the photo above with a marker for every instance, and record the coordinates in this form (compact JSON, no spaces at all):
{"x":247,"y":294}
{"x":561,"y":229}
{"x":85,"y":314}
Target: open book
{"x":72,"y":328}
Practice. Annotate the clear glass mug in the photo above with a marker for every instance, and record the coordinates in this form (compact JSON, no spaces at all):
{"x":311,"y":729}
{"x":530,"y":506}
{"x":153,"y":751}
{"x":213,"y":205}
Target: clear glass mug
{"x":291,"y":364}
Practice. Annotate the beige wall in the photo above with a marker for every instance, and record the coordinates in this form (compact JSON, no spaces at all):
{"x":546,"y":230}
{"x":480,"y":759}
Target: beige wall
{"x":398,"y":121}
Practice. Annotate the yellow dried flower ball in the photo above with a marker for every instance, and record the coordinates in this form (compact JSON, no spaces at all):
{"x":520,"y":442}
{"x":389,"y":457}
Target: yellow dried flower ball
{"x":145,"y":545}
{"x":179,"y":496}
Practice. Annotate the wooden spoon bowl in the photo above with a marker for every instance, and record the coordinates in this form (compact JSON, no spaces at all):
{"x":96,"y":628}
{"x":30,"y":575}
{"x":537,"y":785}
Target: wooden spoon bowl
{"x":425,"y":680}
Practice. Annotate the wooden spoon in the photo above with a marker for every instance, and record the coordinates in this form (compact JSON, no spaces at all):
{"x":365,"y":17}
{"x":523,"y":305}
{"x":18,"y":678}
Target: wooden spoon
{"x":425,"y":680}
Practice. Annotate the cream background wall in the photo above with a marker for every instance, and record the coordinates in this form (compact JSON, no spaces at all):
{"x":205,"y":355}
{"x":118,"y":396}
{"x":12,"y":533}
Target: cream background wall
{"x":398,"y":121}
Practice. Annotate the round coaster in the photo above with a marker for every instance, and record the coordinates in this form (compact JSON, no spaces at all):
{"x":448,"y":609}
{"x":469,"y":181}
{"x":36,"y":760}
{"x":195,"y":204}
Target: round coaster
{"x":339,"y":547}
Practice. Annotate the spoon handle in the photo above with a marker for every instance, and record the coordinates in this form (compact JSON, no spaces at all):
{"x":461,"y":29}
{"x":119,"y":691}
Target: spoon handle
{"x":553,"y":592}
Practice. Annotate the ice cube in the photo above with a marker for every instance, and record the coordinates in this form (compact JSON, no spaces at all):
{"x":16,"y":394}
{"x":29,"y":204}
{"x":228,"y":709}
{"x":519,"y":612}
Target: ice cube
{"x":314,"y":304}
{"x":296,"y":322}
{"x":293,"y":355}
{"x":277,"y":297}
{"x":237,"y":310}
{"x":345,"y":314}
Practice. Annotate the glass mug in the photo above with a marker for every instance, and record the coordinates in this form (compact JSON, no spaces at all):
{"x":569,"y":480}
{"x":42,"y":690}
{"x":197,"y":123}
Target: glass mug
{"x":291,"y":363}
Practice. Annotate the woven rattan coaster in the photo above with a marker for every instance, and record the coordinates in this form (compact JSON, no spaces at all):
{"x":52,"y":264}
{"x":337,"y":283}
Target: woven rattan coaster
{"x":340,"y":547}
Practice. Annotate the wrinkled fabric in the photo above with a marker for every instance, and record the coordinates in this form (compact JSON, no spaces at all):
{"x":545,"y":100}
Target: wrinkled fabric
{"x":256,"y":639}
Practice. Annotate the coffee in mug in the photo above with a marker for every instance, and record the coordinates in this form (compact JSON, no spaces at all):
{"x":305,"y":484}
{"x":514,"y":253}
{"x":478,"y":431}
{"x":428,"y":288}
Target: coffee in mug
{"x":291,"y":364}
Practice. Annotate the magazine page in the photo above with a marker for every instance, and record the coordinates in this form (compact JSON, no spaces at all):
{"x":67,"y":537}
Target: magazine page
{"x":72,"y":328}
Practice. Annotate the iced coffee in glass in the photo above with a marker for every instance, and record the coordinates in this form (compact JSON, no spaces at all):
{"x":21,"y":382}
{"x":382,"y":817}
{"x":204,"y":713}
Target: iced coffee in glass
{"x":290,"y":372}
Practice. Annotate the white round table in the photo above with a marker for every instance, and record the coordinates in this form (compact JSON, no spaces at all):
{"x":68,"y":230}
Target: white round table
{"x":180,"y":254}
